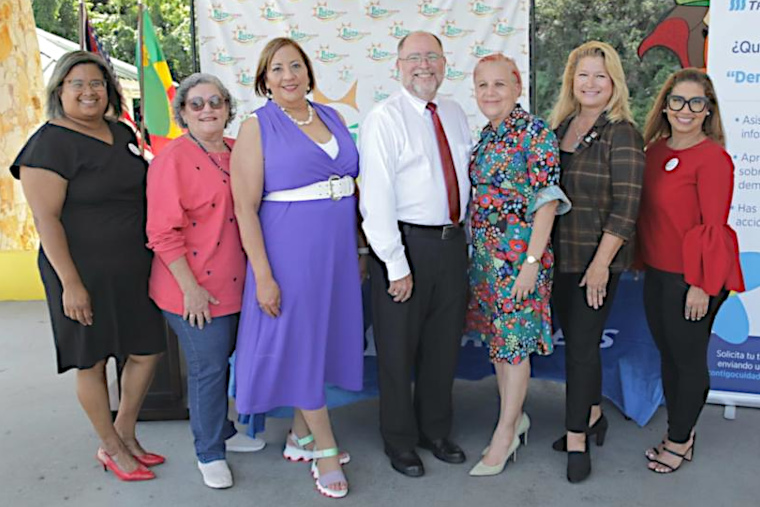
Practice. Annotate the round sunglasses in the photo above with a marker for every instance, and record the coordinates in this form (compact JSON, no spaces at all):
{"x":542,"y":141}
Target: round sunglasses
{"x":199,"y":103}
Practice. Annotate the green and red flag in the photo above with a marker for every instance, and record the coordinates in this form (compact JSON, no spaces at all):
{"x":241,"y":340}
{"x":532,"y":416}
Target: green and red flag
{"x":158,"y":89}
{"x":93,"y":45}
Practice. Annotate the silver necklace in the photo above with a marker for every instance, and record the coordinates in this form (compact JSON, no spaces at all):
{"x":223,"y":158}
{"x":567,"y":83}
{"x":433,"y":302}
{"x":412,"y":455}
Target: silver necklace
{"x":578,"y":136}
{"x":300,"y":123}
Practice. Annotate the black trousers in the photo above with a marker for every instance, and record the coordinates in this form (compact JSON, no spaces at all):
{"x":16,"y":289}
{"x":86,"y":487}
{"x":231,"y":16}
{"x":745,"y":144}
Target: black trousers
{"x":582,"y":327}
{"x":420,"y":338}
{"x":683,"y":348}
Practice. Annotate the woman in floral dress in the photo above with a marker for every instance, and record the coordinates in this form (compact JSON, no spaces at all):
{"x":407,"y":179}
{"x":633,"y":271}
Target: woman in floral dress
{"x":515,"y":177}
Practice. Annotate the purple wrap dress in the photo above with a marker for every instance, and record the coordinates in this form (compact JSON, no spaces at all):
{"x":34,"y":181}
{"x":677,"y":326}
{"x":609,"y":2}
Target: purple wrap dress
{"x":311,"y":246}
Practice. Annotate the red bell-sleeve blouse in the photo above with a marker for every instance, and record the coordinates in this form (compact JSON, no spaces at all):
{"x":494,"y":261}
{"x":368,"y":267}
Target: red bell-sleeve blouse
{"x":191,"y":214}
{"x":682,"y":224}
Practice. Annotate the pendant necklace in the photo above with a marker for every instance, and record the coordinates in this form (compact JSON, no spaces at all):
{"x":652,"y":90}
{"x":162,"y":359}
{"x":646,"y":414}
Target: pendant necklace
{"x":578,"y":136}
{"x":212,"y":159}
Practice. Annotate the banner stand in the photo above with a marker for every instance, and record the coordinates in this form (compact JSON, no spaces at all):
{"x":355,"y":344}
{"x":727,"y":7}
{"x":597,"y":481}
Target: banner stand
{"x":733,"y":60}
{"x":731,"y":400}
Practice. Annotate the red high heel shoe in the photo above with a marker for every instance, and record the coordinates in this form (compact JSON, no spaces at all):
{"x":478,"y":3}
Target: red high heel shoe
{"x":138,"y":474}
{"x":150,"y":459}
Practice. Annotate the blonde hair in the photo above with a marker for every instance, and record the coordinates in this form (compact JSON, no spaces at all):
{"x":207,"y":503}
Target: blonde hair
{"x":657,"y":125}
{"x":618,"y":108}
{"x":500,"y":58}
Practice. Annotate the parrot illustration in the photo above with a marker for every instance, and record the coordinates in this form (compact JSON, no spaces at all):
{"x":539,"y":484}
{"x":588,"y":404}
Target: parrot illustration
{"x":682,"y":30}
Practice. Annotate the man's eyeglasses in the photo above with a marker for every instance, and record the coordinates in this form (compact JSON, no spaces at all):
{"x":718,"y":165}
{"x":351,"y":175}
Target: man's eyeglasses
{"x":198,"y":103}
{"x":78,"y":85}
{"x":696,"y":104}
{"x":417,"y":58}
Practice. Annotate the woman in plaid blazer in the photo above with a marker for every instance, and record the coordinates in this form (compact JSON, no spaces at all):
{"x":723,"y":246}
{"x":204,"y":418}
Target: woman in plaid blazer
{"x":602,"y":162}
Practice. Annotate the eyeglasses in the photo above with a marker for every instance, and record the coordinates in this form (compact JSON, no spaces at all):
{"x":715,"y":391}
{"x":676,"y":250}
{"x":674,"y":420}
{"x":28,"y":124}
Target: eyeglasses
{"x":198,"y":103}
{"x":416,"y":58}
{"x":78,"y":85}
{"x":696,"y":104}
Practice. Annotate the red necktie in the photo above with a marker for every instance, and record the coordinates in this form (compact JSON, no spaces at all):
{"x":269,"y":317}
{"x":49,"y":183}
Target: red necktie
{"x":449,"y":173}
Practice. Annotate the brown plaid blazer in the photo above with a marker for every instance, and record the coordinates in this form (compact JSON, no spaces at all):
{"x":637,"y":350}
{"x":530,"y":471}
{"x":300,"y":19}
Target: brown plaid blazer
{"x":604,"y":184}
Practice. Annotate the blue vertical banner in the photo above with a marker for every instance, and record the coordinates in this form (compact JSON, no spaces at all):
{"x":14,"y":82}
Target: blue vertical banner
{"x":734,"y":66}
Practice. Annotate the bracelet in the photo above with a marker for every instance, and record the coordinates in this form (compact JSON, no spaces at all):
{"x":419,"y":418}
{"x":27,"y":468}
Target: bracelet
{"x":363,"y":250}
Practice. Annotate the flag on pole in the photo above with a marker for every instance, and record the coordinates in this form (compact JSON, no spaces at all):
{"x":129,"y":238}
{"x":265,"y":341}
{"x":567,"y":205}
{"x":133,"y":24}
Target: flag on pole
{"x":158,"y":88}
{"x":93,"y":45}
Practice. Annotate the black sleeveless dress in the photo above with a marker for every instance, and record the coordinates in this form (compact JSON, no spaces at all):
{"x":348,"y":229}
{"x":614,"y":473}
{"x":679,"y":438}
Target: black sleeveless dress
{"x":103,"y":217}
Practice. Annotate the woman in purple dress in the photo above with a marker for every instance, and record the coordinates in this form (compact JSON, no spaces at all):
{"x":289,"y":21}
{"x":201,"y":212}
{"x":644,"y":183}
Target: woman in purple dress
{"x":293,"y":170}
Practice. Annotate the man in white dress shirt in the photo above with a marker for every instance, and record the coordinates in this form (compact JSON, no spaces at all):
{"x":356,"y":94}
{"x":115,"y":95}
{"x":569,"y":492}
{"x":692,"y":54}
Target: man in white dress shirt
{"x":414,"y":154}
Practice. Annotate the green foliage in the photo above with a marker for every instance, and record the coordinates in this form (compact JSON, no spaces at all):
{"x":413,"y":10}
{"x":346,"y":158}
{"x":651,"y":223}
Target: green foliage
{"x":562,"y":25}
{"x":115,"y":23}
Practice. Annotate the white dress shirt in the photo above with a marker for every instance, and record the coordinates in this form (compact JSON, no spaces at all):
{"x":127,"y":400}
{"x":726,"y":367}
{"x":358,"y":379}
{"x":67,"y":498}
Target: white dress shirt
{"x":400,"y":173}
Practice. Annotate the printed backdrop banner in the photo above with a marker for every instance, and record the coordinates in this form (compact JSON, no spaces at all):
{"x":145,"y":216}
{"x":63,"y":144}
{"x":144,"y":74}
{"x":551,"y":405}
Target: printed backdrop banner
{"x":734,"y":65}
{"x":352,"y":45}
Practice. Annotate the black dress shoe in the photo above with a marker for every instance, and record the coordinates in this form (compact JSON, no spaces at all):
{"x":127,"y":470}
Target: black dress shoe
{"x":444,"y":449}
{"x":579,"y":465}
{"x":405,"y":462}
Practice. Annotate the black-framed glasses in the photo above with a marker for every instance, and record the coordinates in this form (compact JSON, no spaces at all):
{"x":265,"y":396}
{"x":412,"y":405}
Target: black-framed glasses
{"x":198,"y":103}
{"x":78,"y":85}
{"x":696,"y":104}
{"x":417,"y":58}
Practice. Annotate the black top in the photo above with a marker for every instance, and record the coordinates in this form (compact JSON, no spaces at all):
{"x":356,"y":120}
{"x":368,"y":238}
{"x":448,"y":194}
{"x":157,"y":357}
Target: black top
{"x":103,"y":217}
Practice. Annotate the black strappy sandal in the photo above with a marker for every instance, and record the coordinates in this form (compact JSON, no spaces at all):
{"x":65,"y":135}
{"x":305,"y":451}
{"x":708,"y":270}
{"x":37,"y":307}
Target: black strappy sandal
{"x":669,"y":469}
{"x":652,"y":453}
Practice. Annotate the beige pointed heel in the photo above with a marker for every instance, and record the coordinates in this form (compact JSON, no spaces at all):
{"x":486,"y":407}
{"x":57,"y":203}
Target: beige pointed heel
{"x":483,"y":470}
{"x":522,"y":431}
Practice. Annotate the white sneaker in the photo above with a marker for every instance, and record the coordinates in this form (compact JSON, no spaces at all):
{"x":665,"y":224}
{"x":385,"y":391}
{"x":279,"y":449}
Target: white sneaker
{"x":216,"y":474}
{"x":241,"y":442}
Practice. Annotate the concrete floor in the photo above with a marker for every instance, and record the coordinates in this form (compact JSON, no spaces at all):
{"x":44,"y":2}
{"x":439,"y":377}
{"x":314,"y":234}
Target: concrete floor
{"x":47,"y":449}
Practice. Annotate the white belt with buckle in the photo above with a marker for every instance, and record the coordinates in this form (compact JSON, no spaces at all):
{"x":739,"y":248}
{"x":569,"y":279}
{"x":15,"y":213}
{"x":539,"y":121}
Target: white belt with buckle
{"x":334,"y":188}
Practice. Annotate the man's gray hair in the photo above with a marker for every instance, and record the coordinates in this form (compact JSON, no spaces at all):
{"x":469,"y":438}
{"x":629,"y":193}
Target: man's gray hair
{"x":191,"y":82}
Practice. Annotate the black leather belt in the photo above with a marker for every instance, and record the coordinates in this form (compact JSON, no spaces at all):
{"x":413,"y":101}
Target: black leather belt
{"x":432,"y":231}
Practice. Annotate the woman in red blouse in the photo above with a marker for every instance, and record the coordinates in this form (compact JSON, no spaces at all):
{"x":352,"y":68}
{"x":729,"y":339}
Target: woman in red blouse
{"x":691,"y":254}
{"x":199,"y":267}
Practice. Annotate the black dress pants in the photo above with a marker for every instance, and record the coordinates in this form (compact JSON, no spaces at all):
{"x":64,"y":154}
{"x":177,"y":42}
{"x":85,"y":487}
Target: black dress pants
{"x":420,"y":338}
{"x":683,"y":348}
{"x":582,"y":327}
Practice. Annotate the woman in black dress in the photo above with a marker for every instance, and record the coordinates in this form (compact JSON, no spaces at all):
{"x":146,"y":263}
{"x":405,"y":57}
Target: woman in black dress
{"x":84,"y":179}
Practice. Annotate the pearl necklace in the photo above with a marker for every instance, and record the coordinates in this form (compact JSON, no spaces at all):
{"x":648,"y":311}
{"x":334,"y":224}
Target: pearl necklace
{"x":300,"y":123}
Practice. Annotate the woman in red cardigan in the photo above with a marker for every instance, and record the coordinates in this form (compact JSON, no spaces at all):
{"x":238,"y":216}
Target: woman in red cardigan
{"x":199,"y":267}
{"x":690,"y":252}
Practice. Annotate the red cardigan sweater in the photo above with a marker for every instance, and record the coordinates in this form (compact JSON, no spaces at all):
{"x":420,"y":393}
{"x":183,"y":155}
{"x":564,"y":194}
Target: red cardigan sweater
{"x":191,"y":214}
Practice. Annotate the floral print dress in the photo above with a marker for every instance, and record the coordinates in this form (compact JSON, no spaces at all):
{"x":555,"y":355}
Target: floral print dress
{"x":514,"y":171}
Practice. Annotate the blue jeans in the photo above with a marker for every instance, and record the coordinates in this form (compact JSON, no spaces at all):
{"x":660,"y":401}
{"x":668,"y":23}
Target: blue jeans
{"x":207,"y":353}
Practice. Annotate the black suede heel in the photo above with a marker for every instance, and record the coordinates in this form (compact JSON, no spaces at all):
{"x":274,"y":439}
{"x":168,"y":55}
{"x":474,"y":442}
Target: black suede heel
{"x":599,"y":429}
